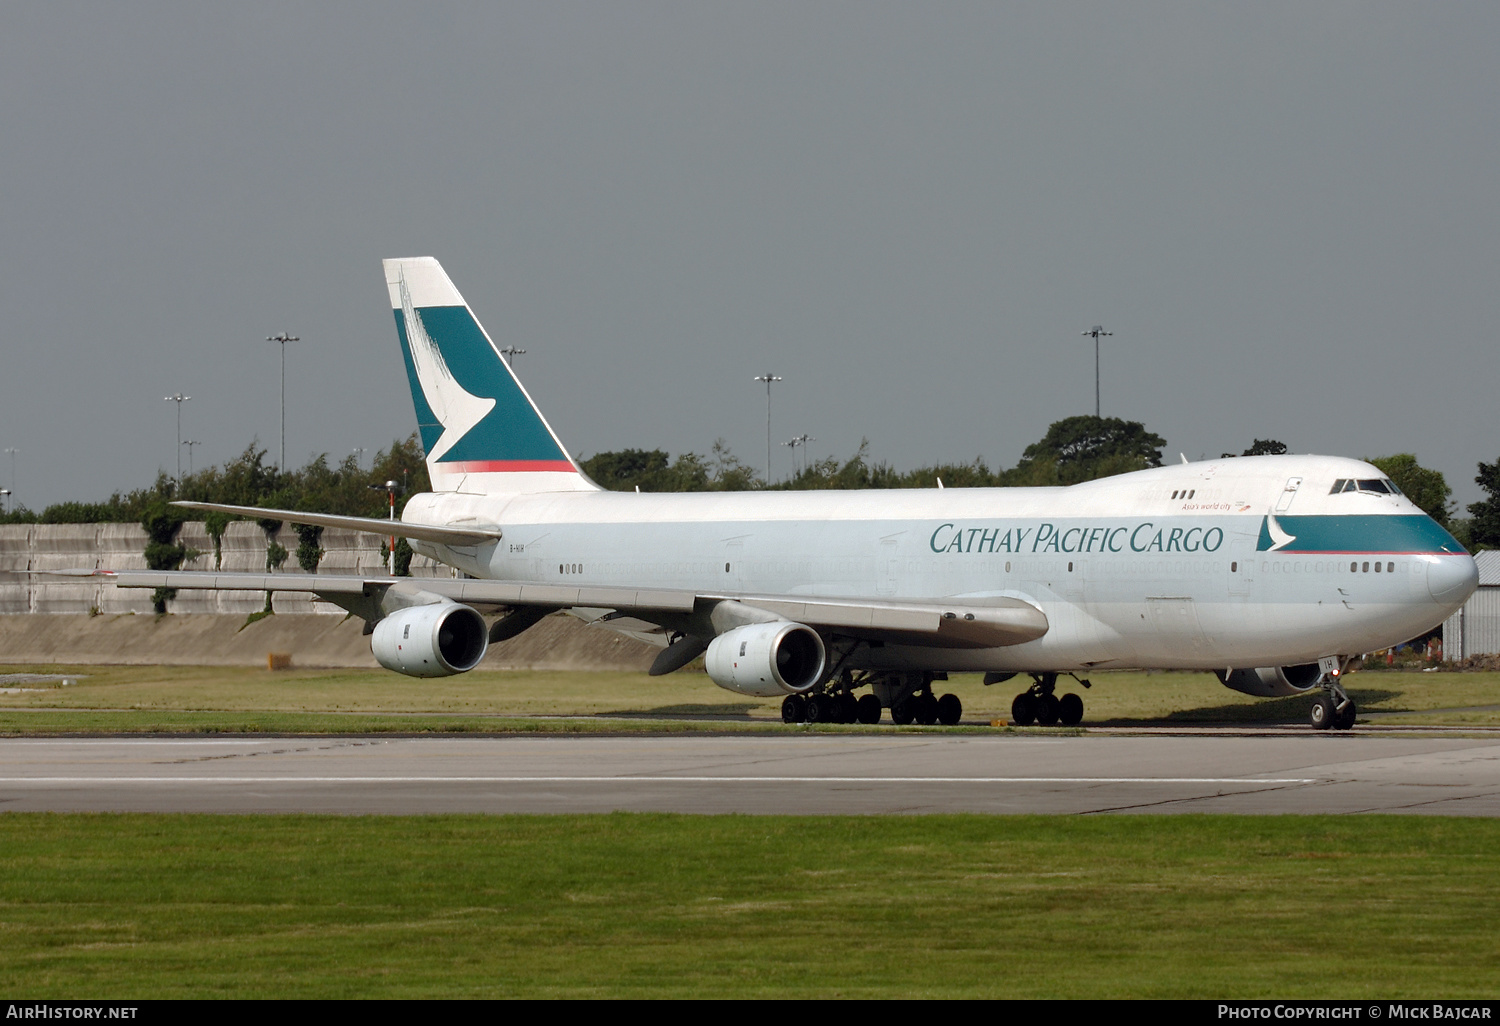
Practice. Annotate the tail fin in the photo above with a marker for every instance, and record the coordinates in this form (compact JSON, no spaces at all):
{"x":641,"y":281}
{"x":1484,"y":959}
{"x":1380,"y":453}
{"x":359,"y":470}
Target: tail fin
{"x":481,"y":431}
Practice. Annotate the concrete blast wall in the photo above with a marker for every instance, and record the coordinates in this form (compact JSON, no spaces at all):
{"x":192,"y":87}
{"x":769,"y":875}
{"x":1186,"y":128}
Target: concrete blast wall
{"x":91,"y":621}
{"x":243,"y":547}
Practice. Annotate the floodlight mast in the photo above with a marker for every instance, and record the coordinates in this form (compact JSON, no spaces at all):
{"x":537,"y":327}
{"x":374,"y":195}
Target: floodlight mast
{"x":189,"y":442}
{"x":179,"y":399}
{"x":1096,"y":331}
{"x":11,"y":452}
{"x":283,"y":338}
{"x":768,"y":378}
{"x":510,"y":353}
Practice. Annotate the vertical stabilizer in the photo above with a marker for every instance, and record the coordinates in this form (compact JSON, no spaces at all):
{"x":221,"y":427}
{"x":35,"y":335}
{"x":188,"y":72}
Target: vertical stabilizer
{"x":479,"y":428}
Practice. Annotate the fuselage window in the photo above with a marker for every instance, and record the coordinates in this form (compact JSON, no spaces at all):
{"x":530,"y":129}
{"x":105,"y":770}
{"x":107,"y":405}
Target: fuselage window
{"x":1192,"y":493}
{"x":1174,"y":495}
{"x":1390,"y":568}
{"x":1234,"y":568}
{"x":1377,"y":568}
{"x":1007,"y":567}
{"x":1366,"y":569}
{"x":1354,"y":568}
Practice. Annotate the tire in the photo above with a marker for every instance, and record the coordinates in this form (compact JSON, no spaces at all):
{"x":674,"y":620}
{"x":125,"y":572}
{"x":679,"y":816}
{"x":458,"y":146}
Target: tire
{"x":820,"y":709}
{"x":902,"y":712}
{"x":793,"y":709}
{"x":1046,"y":710}
{"x":1023,"y":710}
{"x":1345,"y":717}
{"x":1070,"y":710}
{"x":927,"y":710}
{"x":949,"y":710}
{"x":848,"y":708}
{"x":1323,"y":713}
{"x":869,"y":709}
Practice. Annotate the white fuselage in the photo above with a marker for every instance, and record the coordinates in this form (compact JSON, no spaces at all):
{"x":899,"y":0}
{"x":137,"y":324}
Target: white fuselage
{"x":1234,"y":562}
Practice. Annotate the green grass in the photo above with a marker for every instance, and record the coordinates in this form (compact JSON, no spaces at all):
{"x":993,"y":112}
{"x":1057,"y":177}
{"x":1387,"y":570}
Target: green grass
{"x":240,"y":699}
{"x":730,"y":906}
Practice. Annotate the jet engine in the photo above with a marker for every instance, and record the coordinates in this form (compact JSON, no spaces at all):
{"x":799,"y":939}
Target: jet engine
{"x":1272,"y":681}
{"x":436,"y":640}
{"x":767,"y":659}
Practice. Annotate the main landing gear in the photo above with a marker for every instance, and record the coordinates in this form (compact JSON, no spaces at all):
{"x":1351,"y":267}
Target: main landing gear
{"x":909,"y":697}
{"x":1040,"y":705}
{"x":1334,"y":709}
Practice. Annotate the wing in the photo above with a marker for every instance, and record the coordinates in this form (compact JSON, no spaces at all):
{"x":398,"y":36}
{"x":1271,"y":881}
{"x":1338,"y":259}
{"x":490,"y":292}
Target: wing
{"x":369,"y":525}
{"x":954,"y":623}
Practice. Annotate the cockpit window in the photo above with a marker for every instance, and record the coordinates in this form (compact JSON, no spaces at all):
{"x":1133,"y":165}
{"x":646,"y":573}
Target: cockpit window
{"x":1378,"y":486}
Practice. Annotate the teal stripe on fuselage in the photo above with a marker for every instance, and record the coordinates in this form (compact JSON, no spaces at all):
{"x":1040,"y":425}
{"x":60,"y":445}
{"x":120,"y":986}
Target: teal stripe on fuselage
{"x":513,"y":430}
{"x":1360,"y":533}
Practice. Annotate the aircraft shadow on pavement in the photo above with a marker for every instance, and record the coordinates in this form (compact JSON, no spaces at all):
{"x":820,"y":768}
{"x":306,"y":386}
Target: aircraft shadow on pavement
{"x":718,"y":711}
{"x":1262,"y":710}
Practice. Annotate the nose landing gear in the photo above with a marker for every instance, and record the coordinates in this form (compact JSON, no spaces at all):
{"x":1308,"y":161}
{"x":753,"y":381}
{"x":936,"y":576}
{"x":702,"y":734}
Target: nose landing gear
{"x":1334,"y":709}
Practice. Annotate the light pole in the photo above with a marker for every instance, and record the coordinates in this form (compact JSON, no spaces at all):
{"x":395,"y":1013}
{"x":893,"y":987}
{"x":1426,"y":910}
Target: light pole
{"x":179,"y":399}
{"x":190,"y":442}
{"x":510,"y":353}
{"x":5,"y":500}
{"x":806,"y":452}
{"x":359,"y":454}
{"x":793,"y":446}
{"x":1096,"y":331}
{"x":390,"y":488}
{"x":768,"y":378}
{"x":283,"y":338}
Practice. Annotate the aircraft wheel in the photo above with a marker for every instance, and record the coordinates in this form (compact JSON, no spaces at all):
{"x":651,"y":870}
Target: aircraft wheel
{"x":1322,"y":713}
{"x":820,"y":709}
{"x":1345,"y":719}
{"x":1070,"y":710}
{"x":1046,"y":710}
{"x":903,"y":712}
{"x":1023,"y":710}
{"x":927,"y":710}
{"x":848,"y":708}
{"x":949,"y":710}
{"x":869,"y":709}
{"x":793,"y":709}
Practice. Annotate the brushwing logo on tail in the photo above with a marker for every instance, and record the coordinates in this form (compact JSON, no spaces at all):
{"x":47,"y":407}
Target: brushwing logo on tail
{"x":472,"y":412}
{"x":457,"y":409}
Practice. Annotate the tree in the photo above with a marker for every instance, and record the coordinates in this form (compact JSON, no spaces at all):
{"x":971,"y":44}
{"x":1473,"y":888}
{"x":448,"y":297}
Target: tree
{"x":1424,"y":487}
{"x":1261,"y":447}
{"x":1085,"y":447}
{"x":1484,"y":529}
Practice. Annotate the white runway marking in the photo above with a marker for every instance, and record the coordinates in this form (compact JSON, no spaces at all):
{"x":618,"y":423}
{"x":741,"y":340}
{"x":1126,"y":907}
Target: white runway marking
{"x":656,"y":780}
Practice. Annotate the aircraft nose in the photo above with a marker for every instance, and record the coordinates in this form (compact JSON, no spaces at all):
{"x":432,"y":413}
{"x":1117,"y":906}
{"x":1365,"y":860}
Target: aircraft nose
{"x":1452,"y":579}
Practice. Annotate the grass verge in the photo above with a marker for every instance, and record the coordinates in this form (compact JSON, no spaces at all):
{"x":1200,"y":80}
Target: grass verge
{"x":242,"y":699}
{"x":624,"y":905}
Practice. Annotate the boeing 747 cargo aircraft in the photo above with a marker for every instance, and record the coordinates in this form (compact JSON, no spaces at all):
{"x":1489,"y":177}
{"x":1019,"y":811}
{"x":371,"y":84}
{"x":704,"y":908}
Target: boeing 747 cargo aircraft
{"x":1274,"y":572}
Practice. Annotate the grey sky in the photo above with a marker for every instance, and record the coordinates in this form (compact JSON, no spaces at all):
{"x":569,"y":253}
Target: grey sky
{"x":1287,"y":214}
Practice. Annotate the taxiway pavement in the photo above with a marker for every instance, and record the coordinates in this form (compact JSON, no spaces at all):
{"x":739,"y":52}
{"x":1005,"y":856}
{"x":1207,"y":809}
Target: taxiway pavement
{"x":811,"y":774}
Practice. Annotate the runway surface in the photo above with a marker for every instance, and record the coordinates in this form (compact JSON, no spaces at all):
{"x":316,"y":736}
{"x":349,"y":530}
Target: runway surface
{"x":815,"y":774}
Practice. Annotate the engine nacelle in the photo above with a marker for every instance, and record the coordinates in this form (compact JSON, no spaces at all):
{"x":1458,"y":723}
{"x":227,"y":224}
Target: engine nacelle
{"x":437,"y":640}
{"x":1272,"y":681}
{"x":767,"y":659}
